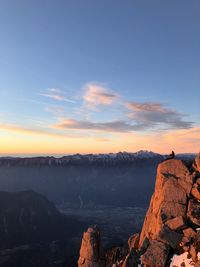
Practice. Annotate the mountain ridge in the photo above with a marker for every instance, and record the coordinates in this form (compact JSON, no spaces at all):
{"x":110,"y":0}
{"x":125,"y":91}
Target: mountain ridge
{"x":101,"y":158}
{"x":80,"y":158}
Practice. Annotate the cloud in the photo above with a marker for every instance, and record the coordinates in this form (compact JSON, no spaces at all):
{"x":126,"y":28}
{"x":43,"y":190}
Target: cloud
{"x":154,"y":115}
{"x":113,"y":126}
{"x":55,"y":110}
{"x":31,"y":130}
{"x":56,"y":94}
{"x":144,"y":117}
{"x":97,"y":95}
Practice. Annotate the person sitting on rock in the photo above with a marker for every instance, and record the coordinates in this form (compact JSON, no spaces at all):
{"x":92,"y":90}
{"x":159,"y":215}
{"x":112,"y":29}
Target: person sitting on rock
{"x":171,"y":156}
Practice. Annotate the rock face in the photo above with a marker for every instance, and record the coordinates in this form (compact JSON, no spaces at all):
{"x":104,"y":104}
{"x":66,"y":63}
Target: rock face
{"x":172,"y":222}
{"x":91,"y":253}
{"x":173,"y":185}
{"x":173,"y":217}
{"x":156,"y":254}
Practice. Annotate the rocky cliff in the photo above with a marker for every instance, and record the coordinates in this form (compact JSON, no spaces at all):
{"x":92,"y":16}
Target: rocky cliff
{"x":170,"y":234}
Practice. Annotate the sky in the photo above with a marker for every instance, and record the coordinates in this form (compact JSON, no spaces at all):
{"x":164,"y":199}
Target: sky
{"x":99,"y":76}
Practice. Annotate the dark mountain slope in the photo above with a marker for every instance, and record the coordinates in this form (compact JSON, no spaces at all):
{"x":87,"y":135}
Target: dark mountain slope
{"x":27,"y":217}
{"x":34,"y":233}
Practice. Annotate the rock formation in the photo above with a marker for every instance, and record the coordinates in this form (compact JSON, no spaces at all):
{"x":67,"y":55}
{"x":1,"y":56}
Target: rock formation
{"x":173,"y":210}
{"x":91,"y":253}
{"x":172,"y":222}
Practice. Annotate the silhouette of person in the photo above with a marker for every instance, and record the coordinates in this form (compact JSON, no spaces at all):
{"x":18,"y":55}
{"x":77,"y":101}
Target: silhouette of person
{"x":171,"y":156}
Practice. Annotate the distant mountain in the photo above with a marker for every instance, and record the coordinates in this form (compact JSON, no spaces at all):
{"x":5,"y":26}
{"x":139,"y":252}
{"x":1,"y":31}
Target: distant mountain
{"x":186,"y":156}
{"x":110,"y":158}
{"x":121,"y":179}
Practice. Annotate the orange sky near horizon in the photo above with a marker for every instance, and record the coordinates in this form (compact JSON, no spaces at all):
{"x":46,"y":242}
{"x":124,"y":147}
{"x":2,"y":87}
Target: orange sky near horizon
{"x":99,"y":77}
{"x":16,"y":142}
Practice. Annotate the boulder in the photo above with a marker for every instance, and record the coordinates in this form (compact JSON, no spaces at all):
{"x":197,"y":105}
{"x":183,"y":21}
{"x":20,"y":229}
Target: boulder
{"x":195,"y":192}
{"x":193,"y":253}
{"x":156,"y":255}
{"x":170,"y":237}
{"x":176,"y":223}
{"x":193,"y":212}
{"x":196,"y":242}
{"x":198,"y":181}
{"x":189,"y":232}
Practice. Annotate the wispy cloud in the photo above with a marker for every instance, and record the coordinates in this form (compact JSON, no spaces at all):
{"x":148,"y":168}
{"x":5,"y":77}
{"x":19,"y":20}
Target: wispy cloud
{"x":153,"y":114}
{"x":97,"y":95}
{"x":141,"y":117}
{"x":57,"y":111}
{"x":113,"y":126}
{"x":56,"y":94}
{"x":31,"y":130}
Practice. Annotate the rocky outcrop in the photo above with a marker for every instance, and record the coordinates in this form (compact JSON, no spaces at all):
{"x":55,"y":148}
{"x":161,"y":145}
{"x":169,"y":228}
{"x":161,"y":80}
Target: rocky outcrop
{"x":91,"y":253}
{"x":172,"y":222}
{"x":156,"y":254}
{"x":173,"y":217}
{"x":173,"y":185}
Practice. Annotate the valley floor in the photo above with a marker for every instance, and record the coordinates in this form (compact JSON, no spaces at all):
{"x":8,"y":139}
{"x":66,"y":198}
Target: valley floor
{"x":116,"y":223}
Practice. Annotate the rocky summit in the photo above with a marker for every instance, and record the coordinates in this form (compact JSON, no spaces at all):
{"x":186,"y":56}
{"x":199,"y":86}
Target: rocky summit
{"x":170,"y":236}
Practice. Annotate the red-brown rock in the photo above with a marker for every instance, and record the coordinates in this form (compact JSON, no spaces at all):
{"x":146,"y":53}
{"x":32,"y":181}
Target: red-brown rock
{"x":195,"y":192}
{"x":176,"y":223}
{"x":194,"y":211}
{"x":132,"y":260}
{"x":173,"y":184}
{"x":170,"y":237}
{"x":133,"y":241}
{"x":91,"y":254}
{"x":189,"y":232}
{"x":156,"y":255}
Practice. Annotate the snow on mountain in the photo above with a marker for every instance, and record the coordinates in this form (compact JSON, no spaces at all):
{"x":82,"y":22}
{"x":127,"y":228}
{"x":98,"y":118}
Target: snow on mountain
{"x":82,"y":158}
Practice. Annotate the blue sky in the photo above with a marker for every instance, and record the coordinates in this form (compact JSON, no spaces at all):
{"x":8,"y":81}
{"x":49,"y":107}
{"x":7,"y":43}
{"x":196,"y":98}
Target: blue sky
{"x":96,"y":68}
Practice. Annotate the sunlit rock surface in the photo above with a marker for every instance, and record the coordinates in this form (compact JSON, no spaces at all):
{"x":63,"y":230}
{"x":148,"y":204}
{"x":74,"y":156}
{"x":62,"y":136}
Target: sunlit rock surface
{"x":170,"y":234}
{"x":91,"y":253}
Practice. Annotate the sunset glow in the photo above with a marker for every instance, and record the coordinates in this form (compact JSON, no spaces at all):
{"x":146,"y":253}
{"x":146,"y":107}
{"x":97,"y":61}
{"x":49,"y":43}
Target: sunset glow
{"x":124,"y":83}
